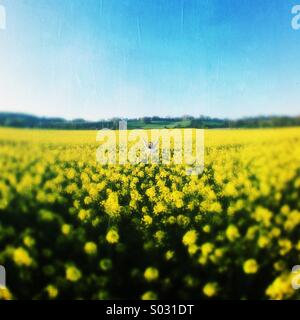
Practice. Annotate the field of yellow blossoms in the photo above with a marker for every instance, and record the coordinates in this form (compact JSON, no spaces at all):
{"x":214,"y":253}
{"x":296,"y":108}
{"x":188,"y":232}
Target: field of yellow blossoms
{"x":73,"y":229}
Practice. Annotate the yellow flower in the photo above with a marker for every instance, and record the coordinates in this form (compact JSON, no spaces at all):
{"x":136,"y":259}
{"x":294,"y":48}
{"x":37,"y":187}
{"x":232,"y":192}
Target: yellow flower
{"x":52,"y":291}
{"x":76,"y":204}
{"x":159,"y":208}
{"x":71,"y":174}
{"x":203,"y":260}
{"x":206,"y":228}
{"x":83,"y":214}
{"x":275,"y":232}
{"x":171,"y":220}
{"x":169,"y":254}
{"x":145,"y":210}
{"x":112,"y":236}
{"x":93,"y":191}
{"x":219,"y":253}
{"x":190,"y":238}
{"x":73,"y":274}
{"x":192,"y":249}
{"x":147,"y":219}
{"x":21,"y":257}
{"x":87,"y":200}
{"x":263,"y":215}
{"x":177,"y":199}
{"x":111,"y":205}
{"x":207,"y":248}
{"x":5,"y":294}
{"x":210,"y":289}
{"x":151,"y":274}
{"x":151,"y":193}
{"x":96,"y":221}
{"x":183,"y":220}
{"x":298,"y":246}
{"x":230,"y":190}
{"x":215,"y":207}
{"x":263,"y":241}
{"x":279,"y":265}
{"x":232,"y":233}
{"x":198,"y":218}
{"x":285,"y":246}
{"x":149,"y":295}
{"x":251,"y":232}
{"x":293,"y":220}
{"x":65,"y":229}
{"x":90,"y":248}
{"x":285,"y":210}
{"x":281,"y":288}
{"x":250,"y":266}
{"x":28,"y":241}
{"x":159,"y":235}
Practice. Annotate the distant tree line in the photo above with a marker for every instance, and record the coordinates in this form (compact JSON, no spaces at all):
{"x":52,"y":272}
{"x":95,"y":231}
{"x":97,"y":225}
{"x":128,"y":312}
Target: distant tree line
{"x":251,"y":122}
{"x":19,"y":120}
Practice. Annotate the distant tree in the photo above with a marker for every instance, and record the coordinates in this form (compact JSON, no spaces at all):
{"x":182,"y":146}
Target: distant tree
{"x":79,"y":120}
{"x":146,"y":120}
{"x":187,"y":117}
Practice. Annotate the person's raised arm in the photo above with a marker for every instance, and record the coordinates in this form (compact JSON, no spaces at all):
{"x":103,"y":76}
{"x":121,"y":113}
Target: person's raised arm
{"x":156,"y":142}
{"x":145,"y":143}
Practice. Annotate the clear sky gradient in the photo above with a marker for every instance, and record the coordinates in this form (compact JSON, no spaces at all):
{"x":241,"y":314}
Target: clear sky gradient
{"x":97,"y":59}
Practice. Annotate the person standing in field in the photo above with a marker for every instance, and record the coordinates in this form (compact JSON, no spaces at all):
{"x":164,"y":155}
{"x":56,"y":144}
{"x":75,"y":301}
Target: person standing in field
{"x":150,"y":149}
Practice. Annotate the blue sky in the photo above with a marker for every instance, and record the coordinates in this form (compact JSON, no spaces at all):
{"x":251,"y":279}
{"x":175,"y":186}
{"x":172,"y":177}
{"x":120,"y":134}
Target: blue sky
{"x":130,"y":58}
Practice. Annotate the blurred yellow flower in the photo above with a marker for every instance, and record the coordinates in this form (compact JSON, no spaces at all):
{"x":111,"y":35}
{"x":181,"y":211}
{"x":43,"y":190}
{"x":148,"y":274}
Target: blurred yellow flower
{"x":90,"y":248}
{"x":112,"y":236}
{"x":52,"y":291}
{"x":83,"y":214}
{"x":151,"y":274}
{"x":285,"y":246}
{"x":28,"y":241}
{"x":250,"y":266}
{"x":190,"y":238}
{"x":21,"y":257}
{"x":263,"y":241}
{"x":210,"y":289}
{"x":147,"y":219}
{"x":5,"y":294}
{"x":73,"y":274}
{"x":206,"y":228}
{"x":169,"y":254}
{"x":280,"y":288}
{"x":111,"y":205}
{"x":159,"y":235}
{"x":232,"y":233}
{"x":66,"y":229}
{"x":149,"y":295}
{"x":207,"y":248}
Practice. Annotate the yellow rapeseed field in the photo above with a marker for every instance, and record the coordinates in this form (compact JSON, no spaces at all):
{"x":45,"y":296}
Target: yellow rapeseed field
{"x":73,"y":229}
